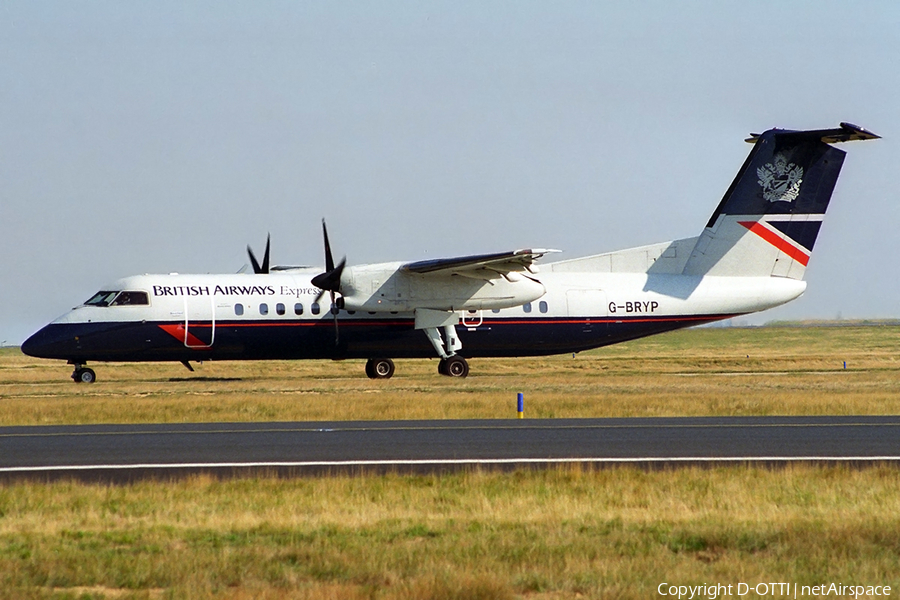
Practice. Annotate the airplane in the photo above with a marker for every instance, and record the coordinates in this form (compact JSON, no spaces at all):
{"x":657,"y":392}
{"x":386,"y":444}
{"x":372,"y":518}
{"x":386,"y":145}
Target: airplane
{"x":751,"y":256}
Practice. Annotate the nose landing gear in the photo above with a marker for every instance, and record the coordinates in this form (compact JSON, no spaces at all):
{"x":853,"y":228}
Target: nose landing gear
{"x":82,"y":374}
{"x":379,"y":368}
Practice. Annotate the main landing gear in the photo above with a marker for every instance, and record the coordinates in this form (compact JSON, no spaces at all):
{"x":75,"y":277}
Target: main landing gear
{"x":82,"y":374}
{"x":433,"y":323}
{"x":453,"y":366}
{"x":383,"y":368}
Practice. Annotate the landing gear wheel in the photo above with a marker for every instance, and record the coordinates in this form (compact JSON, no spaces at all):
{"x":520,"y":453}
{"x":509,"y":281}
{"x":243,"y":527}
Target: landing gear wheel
{"x":84,"y":375}
{"x":380,"y":368}
{"x":454,"y":366}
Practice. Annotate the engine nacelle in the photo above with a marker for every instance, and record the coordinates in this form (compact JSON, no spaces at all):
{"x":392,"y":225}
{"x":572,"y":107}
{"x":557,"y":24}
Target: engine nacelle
{"x":385,"y":288}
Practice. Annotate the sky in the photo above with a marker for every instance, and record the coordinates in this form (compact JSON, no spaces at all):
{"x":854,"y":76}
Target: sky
{"x":157,"y":137}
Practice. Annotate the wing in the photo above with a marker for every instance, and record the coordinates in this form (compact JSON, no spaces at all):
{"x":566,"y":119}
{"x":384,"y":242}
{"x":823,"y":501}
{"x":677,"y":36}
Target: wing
{"x":479,"y":266}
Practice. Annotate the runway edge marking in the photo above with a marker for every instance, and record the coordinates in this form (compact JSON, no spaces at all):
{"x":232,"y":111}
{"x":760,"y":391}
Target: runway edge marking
{"x":463,"y":462}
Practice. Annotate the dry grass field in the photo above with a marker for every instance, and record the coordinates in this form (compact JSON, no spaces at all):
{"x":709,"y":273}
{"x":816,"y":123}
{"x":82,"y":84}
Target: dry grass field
{"x":542,"y":535}
{"x":762,"y":371}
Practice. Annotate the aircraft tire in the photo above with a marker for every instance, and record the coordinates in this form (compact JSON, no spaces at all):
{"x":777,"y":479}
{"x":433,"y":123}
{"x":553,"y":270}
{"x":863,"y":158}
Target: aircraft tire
{"x":84,"y":376}
{"x":454,"y":366}
{"x":380,"y":368}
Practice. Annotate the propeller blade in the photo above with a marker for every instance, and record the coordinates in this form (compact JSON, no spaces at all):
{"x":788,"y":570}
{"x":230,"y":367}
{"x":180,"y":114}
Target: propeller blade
{"x":265,"y":263}
{"x":260,"y":269}
{"x":329,"y":260}
{"x":256,"y":268}
{"x":334,"y":313}
{"x":331,"y":279}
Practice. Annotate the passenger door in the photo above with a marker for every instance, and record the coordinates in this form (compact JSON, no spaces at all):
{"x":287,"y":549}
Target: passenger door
{"x":199,"y":322}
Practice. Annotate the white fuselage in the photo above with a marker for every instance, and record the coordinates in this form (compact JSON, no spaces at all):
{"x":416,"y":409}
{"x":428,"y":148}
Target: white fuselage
{"x":282,"y":297}
{"x":282,"y":314}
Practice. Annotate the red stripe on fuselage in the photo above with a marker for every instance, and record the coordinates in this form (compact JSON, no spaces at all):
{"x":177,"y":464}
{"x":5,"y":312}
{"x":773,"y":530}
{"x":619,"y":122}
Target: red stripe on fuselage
{"x":177,"y":331}
{"x":777,"y":241}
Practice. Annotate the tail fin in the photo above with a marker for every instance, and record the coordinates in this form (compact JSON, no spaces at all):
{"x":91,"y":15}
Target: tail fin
{"x":768,"y":221}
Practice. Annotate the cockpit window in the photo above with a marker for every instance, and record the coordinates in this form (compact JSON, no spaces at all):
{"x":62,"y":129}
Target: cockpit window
{"x":131,"y":299}
{"x":108,"y":298}
{"x":101,"y":299}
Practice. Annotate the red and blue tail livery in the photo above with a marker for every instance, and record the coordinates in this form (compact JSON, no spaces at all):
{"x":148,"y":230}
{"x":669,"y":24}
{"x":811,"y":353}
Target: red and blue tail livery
{"x":780,"y":196}
{"x":751,"y":255}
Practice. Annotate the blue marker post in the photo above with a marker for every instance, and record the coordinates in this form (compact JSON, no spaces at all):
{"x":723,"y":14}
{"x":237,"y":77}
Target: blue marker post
{"x":521,"y":405}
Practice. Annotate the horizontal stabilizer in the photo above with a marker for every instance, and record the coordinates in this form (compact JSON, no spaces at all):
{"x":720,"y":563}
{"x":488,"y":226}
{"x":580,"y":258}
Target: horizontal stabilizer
{"x":848,"y":132}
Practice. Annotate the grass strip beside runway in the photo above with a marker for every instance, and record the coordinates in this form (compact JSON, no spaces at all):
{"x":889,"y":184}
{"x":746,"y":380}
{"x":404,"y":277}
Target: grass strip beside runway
{"x":559,"y":533}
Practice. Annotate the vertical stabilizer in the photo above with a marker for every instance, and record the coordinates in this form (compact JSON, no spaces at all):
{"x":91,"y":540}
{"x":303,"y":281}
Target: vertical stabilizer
{"x":768,"y":221}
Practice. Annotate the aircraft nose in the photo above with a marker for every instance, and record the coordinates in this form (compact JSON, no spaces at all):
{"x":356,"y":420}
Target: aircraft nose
{"x":50,"y":342}
{"x":35,"y":345}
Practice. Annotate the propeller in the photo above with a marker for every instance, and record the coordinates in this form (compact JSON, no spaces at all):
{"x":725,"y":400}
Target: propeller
{"x":261,"y":269}
{"x":330,"y":280}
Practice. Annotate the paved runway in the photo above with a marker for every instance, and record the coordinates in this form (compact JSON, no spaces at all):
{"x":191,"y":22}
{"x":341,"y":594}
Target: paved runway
{"x":129,"y":452}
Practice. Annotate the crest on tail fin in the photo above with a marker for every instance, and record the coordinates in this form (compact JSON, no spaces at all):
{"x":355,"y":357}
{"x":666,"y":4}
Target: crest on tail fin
{"x":780,"y":180}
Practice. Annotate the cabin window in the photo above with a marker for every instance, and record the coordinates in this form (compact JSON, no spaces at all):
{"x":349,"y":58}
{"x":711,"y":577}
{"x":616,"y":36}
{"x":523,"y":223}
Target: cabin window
{"x":314,"y":308}
{"x":279,"y":308}
{"x":496,"y":311}
{"x":131,"y":299}
{"x":238,"y":309}
{"x":527,"y":307}
{"x":298,"y":309}
{"x":542,"y":306}
{"x":101,"y":299}
{"x":263,"y":309}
